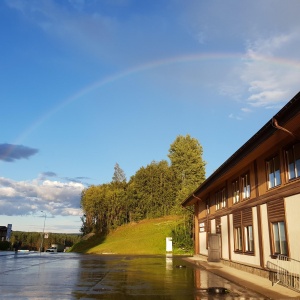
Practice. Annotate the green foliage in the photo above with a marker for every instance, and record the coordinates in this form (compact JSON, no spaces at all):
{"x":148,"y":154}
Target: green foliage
{"x":151,"y":192}
{"x":104,"y":207}
{"x":185,"y":154}
{"x":84,"y":245}
{"x":182,"y":234}
{"x":145,"y":237}
{"x":33,"y":240}
{"x":154,"y":191}
{"x":4,"y":245}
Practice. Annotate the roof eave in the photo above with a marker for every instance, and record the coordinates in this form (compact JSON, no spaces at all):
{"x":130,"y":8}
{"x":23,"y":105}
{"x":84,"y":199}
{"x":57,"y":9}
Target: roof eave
{"x":286,"y":113}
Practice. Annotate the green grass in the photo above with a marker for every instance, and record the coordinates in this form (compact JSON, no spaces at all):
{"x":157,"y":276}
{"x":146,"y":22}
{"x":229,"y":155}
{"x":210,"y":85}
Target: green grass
{"x":141,"y":238}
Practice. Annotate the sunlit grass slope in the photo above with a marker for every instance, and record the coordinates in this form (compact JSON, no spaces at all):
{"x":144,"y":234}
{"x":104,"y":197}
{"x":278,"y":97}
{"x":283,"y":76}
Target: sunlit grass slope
{"x":144,"y":237}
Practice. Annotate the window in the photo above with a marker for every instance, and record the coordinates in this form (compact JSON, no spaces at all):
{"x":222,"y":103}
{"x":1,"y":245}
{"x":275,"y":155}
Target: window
{"x":243,"y":231}
{"x":293,"y":161}
{"x":202,"y":227}
{"x":220,"y":199}
{"x":218,"y":225}
{"x":276,"y":216}
{"x":245,"y":186}
{"x":249,"y":241}
{"x":279,"y":239}
{"x":273,"y":172}
{"x":236,"y":191}
{"x":207,"y":206}
{"x":238,"y":245}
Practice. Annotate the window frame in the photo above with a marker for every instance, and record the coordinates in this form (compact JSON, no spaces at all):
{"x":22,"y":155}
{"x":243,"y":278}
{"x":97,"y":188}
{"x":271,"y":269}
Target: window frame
{"x":235,"y":191}
{"x":238,"y":239}
{"x":276,"y":214}
{"x":245,"y":186}
{"x":221,"y":199}
{"x":294,"y":151}
{"x":279,"y":244}
{"x":249,"y":239}
{"x":243,"y":234}
{"x":207,"y":208}
{"x":273,"y":172}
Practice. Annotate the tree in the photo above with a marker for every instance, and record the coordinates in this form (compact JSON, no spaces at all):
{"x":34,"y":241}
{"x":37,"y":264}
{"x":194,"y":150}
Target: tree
{"x":151,"y":191}
{"x":104,"y":207}
{"x":119,"y":175}
{"x":185,"y":154}
{"x":154,"y":191}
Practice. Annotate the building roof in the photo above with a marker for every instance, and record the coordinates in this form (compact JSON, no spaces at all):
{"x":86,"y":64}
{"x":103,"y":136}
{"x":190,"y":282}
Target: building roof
{"x":291,"y":109}
{"x":3,"y":228}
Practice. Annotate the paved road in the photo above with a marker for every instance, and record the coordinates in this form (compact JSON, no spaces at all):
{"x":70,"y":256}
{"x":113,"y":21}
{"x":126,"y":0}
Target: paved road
{"x":75,"y":276}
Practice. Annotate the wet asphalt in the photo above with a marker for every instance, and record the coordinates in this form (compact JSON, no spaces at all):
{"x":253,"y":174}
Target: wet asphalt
{"x":35,"y":275}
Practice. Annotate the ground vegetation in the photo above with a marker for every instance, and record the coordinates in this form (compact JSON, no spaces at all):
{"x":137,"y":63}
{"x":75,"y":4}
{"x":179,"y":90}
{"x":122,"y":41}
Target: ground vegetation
{"x":154,"y":191}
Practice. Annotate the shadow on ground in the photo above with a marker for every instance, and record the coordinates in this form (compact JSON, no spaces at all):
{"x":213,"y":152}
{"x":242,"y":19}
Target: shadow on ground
{"x":88,"y":242}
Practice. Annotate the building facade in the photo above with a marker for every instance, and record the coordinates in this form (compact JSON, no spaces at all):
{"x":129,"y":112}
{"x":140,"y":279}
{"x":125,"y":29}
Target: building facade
{"x":5,"y":232}
{"x":247,"y":212}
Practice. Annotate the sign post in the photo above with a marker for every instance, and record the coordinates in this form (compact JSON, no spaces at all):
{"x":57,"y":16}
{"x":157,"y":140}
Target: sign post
{"x":169,"y":246}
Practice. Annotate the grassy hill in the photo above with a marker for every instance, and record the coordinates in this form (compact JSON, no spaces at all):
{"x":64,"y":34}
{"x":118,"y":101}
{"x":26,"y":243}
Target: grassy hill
{"x":141,"y":238}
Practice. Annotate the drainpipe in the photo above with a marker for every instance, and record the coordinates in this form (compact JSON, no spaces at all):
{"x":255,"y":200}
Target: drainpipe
{"x":275,"y":124}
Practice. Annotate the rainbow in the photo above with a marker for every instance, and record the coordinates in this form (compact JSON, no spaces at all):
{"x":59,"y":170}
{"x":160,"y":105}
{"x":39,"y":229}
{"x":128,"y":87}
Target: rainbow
{"x":196,"y":57}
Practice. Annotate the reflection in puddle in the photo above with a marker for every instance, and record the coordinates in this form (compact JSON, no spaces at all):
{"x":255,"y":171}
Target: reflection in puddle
{"x":75,"y":276}
{"x":149,"y":277}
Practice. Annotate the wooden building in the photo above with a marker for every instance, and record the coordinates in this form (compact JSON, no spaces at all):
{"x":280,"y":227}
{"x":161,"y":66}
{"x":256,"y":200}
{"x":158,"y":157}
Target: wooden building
{"x":247,"y":212}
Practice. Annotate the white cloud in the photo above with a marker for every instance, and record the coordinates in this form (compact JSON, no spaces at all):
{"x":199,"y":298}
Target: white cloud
{"x":236,"y":117}
{"x":267,"y":40}
{"x":7,"y":192}
{"x":267,"y":75}
{"x":29,"y":197}
{"x":270,"y":73}
{"x":246,"y":109}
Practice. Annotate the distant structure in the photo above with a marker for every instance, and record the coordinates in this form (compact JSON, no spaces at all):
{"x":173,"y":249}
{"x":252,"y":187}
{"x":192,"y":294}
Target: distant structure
{"x":5,"y":232}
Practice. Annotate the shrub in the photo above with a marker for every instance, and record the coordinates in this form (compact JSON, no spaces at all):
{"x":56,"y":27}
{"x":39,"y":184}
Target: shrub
{"x":4,"y":245}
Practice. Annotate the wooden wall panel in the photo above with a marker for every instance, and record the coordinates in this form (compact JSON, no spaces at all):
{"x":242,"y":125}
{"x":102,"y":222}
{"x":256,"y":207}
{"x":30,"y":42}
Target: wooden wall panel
{"x":276,"y":210}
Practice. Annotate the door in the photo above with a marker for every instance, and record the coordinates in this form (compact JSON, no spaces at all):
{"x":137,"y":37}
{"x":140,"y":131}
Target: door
{"x":214,"y":247}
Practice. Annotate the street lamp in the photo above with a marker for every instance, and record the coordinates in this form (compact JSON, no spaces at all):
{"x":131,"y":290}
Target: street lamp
{"x":43,"y":231}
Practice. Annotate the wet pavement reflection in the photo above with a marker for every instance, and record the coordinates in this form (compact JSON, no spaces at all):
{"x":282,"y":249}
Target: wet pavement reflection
{"x":75,"y":276}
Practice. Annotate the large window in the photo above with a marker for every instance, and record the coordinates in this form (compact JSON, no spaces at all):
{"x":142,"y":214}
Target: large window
{"x":243,"y":231}
{"x":238,"y":239}
{"x":249,"y":241}
{"x":245,"y":179}
{"x":220,"y":199}
{"x":273,"y":172}
{"x":279,"y":239}
{"x":235,"y":191}
{"x":293,"y":161}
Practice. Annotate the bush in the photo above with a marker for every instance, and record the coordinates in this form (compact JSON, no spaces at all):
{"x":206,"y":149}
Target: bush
{"x":182,"y":234}
{"x":4,"y":245}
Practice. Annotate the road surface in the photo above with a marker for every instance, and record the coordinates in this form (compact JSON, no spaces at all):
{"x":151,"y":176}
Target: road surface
{"x":37,"y":275}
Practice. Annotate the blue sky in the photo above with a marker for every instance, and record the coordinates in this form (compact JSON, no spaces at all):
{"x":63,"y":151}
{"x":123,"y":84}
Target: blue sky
{"x":88,"y":84}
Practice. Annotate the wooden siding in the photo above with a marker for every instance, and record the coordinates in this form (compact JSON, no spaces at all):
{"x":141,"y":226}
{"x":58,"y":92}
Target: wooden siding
{"x":276,"y":210}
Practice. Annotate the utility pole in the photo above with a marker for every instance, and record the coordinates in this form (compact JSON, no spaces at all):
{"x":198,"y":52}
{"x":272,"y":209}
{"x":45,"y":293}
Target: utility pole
{"x":42,"y":242}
